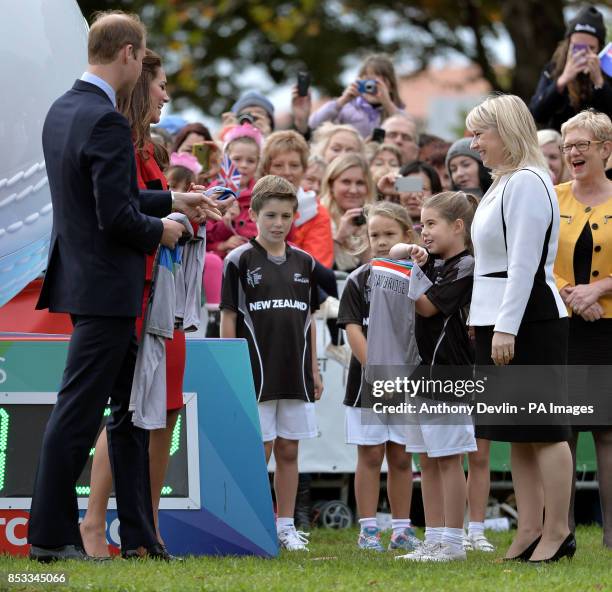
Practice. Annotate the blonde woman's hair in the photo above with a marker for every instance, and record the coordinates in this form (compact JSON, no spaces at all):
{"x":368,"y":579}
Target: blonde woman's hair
{"x":394,"y":212}
{"x":454,"y":205}
{"x":546,"y":136}
{"x":511,"y":117}
{"x":315,"y":159}
{"x":323,"y":135}
{"x":599,"y":124}
{"x":333,"y":171}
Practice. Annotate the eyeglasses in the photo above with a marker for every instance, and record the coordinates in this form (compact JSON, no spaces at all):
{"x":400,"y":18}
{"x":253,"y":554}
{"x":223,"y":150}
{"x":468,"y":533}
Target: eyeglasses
{"x":581,"y":146}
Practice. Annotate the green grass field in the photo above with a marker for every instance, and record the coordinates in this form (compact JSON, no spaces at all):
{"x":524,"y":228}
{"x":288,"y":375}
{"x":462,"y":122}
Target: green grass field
{"x":334,"y":563}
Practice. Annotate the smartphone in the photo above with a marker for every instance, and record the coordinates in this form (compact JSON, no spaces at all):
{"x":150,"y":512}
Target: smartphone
{"x":202,"y":152}
{"x":303,"y":83}
{"x":378,"y":135}
{"x":359,"y":220}
{"x":408,"y":184}
{"x":576,"y":47}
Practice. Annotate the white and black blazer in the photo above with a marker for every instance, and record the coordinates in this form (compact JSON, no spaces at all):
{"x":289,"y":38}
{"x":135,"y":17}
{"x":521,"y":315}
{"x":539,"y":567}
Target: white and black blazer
{"x":515,"y":233}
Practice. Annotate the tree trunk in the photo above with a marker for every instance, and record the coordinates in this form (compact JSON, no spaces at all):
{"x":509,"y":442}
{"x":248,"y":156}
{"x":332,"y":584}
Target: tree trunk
{"x":536,"y":28}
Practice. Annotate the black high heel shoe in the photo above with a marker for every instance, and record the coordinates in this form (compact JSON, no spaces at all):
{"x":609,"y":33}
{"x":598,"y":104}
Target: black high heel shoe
{"x":527,"y":553}
{"x":567,"y":549}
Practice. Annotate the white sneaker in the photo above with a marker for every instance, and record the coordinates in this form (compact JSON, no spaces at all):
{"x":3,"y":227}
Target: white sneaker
{"x":478,"y":542}
{"x":328,"y":309}
{"x":443,"y":553}
{"x":421,"y":551}
{"x":339,"y":353}
{"x":293,"y":540}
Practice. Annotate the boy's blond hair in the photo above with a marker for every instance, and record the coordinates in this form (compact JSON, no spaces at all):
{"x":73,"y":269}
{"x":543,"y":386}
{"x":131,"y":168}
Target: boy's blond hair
{"x":272,"y":187}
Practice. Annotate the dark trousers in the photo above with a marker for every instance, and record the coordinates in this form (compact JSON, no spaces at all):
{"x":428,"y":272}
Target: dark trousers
{"x":100,"y":364}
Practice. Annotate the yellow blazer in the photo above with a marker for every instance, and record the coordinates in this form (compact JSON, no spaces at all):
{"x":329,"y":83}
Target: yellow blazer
{"x":574,"y":215}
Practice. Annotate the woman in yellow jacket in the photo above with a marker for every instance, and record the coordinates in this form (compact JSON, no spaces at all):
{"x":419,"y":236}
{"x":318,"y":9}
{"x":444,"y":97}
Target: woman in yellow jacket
{"x":583,"y":272}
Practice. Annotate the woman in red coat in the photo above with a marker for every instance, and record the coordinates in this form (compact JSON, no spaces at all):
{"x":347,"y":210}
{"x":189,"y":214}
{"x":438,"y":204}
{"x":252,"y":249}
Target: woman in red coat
{"x":142,"y":110}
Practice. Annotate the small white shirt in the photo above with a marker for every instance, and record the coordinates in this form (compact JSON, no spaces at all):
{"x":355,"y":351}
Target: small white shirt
{"x":530,"y":209}
{"x":102,"y":84}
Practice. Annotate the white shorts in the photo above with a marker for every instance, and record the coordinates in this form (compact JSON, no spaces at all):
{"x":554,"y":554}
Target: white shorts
{"x":439,"y":434}
{"x":287,"y":418}
{"x":366,"y":428}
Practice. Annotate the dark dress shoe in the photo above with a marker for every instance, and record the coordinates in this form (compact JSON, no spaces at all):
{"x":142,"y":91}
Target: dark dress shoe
{"x":45,"y":555}
{"x":567,"y":549}
{"x":527,"y":553}
{"x":156,"y":551}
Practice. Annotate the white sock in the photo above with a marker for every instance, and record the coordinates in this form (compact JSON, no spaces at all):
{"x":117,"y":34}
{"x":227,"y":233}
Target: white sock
{"x":433,"y":534}
{"x":367,"y":523}
{"x":282,"y":523}
{"x":453,"y":537}
{"x":475,"y":529}
{"x":399,"y":524}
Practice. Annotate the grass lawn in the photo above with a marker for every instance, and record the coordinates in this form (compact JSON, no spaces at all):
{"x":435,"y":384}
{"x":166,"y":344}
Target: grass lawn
{"x":334,"y":563}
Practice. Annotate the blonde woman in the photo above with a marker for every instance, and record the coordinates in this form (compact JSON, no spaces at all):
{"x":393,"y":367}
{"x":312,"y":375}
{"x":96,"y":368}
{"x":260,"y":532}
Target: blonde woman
{"x":518,"y":315}
{"x":347,"y":187}
{"x":331,"y":141}
{"x":550,"y":142}
{"x":583,"y":270}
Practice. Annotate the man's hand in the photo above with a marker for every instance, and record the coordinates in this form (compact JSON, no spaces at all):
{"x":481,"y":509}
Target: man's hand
{"x":197,"y":207}
{"x":502,"y":348}
{"x":173,"y":231}
{"x":223,"y":206}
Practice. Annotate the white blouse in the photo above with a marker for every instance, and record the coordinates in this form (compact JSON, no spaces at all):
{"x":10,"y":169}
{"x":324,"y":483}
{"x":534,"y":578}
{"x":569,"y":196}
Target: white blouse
{"x":513,"y":272}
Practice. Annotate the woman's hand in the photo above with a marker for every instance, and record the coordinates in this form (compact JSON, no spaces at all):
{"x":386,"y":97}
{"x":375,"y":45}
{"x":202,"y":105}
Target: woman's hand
{"x":502,"y":348}
{"x":347,"y":226}
{"x":318,"y":385}
{"x":592,"y":313}
{"x":350,"y":92}
{"x":594,"y":69}
{"x":575,"y":64}
{"x":582,"y":296}
{"x":386,"y":184}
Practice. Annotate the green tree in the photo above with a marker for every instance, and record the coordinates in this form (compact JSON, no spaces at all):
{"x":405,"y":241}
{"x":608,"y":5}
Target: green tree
{"x":208,"y":46}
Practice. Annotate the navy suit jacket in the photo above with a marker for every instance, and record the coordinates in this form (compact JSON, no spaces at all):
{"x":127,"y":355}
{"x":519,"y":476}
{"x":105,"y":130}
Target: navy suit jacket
{"x":102,"y":224}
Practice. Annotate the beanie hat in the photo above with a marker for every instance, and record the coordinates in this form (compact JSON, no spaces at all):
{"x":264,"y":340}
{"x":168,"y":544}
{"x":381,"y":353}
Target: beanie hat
{"x":462,"y":148}
{"x":253,"y":98}
{"x":588,"y":20}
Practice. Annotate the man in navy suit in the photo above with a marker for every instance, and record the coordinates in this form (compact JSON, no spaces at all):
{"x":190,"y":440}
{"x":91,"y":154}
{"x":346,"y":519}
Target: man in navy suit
{"x":102,"y":229}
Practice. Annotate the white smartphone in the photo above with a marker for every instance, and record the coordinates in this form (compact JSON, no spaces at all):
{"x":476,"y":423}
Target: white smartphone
{"x":408,"y":184}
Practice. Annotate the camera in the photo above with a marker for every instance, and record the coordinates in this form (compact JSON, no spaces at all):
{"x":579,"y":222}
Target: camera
{"x":246,"y":118}
{"x":359,"y":220}
{"x":366,"y":86}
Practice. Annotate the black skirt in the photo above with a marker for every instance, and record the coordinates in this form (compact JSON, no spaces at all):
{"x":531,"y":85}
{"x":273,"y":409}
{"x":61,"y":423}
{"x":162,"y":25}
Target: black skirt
{"x":590,"y":344}
{"x":538,"y":343}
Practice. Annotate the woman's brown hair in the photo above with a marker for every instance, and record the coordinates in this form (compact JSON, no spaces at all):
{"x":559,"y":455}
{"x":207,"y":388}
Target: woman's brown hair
{"x":455,"y":205}
{"x":137,"y":108}
{"x":580,"y":89}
